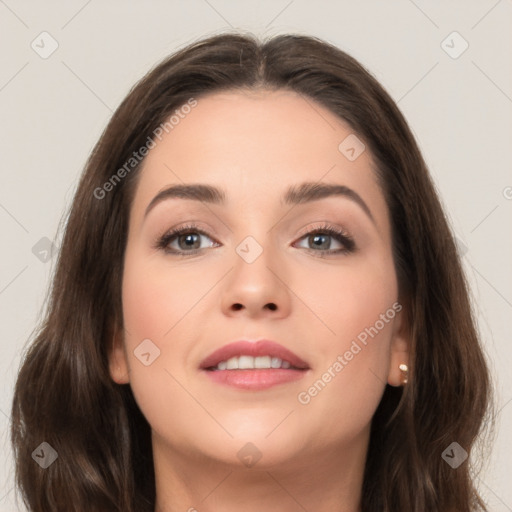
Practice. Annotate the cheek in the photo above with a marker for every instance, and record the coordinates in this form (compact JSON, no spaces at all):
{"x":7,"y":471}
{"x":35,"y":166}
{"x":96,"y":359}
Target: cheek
{"x":357,"y":306}
{"x":349,"y":299}
{"x":143,"y":307}
{"x":155,"y":298}
{"x":154,"y":303}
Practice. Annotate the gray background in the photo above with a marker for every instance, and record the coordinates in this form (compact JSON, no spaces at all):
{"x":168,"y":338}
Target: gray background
{"x":459,"y":107}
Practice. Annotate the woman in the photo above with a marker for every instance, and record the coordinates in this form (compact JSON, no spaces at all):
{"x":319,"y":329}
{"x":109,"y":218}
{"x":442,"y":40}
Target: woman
{"x":258,"y":303}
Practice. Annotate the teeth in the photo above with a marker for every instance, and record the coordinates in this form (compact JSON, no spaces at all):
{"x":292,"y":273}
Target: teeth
{"x":262,"y":362}
{"x":276,"y":362}
{"x":232,"y":364}
{"x":250,"y":363}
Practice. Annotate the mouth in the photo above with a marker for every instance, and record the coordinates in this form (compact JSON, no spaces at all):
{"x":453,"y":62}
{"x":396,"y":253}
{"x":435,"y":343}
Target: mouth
{"x":254,"y":365}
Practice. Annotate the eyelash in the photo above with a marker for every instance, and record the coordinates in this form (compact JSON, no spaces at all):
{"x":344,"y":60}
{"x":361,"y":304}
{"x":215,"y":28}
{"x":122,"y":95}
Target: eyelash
{"x":162,"y":242}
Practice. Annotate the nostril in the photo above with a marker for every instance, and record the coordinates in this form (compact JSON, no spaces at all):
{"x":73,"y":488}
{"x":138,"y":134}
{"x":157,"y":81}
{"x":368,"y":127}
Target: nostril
{"x":272,"y":306}
{"x":237,"y":307}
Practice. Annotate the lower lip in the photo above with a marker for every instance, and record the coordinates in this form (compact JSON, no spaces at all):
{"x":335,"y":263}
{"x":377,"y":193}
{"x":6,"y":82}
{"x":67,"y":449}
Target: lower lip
{"x":255,"y":380}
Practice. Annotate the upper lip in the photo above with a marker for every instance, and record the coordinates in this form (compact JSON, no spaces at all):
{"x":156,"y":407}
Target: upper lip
{"x":253,"y":348}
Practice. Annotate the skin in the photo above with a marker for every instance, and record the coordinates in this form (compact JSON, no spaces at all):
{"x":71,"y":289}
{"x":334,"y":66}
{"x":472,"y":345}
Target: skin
{"x":254,"y":145}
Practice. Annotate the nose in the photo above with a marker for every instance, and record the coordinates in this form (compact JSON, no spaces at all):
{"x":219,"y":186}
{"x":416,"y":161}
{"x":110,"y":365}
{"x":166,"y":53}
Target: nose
{"x":258,"y":288}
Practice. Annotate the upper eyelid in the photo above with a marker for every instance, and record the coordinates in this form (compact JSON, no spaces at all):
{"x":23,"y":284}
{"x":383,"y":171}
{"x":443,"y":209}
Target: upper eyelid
{"x":320,"y":226}
{"x":325,"y":225}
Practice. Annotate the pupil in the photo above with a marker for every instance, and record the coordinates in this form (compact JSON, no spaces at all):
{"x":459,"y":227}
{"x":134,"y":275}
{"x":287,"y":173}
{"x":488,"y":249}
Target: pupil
{"x":318,"y":238}
{"x":189,"y":237}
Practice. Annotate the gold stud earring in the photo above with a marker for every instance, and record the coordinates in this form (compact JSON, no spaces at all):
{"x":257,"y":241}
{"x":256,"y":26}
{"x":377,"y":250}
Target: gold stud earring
{"x":404,"y":369}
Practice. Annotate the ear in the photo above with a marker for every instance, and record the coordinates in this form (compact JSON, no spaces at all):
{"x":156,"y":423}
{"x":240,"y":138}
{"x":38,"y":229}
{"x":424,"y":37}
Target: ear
{"x":400,"y":349}
{"x":118,"y":364}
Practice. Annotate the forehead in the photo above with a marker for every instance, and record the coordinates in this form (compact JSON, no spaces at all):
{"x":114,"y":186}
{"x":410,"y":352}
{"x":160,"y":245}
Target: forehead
{"x":254,"y":145}
{"x":237,"y":126}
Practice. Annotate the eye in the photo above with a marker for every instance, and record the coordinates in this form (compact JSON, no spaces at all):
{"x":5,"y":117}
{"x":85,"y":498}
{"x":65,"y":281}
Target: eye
{"x":183,"y":241}
{"x":186,"y":240}
{"x":322,"y":239}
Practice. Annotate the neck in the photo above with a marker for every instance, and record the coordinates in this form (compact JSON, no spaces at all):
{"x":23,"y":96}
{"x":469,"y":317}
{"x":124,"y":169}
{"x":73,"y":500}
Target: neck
{"x":326,"y":481}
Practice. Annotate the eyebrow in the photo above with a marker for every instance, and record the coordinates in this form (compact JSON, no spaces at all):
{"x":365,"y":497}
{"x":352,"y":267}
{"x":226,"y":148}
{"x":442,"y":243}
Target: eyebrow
{"x":296,"y":194}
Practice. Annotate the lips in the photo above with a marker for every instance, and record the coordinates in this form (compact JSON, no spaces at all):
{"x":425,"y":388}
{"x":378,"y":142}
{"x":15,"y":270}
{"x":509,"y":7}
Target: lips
{"x":253,"y":348}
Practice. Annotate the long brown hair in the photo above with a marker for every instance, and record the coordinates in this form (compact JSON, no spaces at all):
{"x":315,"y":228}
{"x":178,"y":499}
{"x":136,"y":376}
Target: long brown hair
{"x":64,"y":394}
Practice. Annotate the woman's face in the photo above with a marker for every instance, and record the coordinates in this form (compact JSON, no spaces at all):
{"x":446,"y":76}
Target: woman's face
{"x":261,"y":264}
